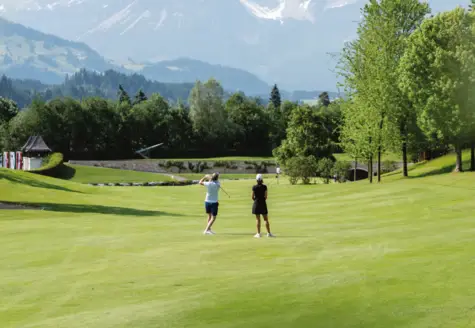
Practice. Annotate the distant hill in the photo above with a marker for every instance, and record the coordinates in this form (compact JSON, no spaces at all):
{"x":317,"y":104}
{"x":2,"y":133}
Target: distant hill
{"x":28,"y":54}
{"x":189,"y":70}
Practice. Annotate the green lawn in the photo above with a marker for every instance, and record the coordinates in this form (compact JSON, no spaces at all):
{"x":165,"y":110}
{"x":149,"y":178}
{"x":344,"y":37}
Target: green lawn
{"x":91,"y":174}
{"x":397,"y":254}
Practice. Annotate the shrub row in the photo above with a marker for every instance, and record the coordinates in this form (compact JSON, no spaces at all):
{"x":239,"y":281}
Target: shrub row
{"x":51,"y":165}
{"x":146,"y":184}
{"x":201,"y":166}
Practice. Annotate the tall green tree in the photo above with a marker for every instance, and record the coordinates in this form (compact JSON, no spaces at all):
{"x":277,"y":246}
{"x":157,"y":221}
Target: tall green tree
{"x":103,"y":120}
{"x":180,"y":129}
{"x":140,"y":97}
{"x":8,"y":110}
{"x":207,"y":112}
{"x":251,"y":124}
{"x":306,"y":135}
{"x":437,"y":75}
{"x":357,"y":134}
{"x":275,"y":97}
{"x":123,"y":96}
{"x":150,"y":121}
{"x":324,"y":99}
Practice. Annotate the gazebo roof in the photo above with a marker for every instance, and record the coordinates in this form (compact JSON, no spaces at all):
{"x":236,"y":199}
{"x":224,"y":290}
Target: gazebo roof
{"x":35,"y":144}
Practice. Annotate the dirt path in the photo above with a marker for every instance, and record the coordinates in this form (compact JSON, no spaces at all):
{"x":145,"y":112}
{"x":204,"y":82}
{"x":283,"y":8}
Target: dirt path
{"x":173,"y":176}
{"x":12,"y":206}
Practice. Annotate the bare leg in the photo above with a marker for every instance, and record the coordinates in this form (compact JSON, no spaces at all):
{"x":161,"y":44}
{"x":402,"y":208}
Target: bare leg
{"x":266,"y":219}
{"x":258,"y":223}
{"x":210,"y":222}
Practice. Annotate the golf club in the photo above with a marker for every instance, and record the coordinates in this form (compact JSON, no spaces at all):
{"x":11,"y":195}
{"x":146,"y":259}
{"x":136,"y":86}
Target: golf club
{"x":225,"y":192}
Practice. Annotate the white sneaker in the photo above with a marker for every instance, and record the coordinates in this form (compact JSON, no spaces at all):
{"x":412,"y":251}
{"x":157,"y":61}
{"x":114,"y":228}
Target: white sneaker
{"x":270,"y":235}
{"x":208,"y":232}
{"x":257,"y":235}
{"x":212,"y":232}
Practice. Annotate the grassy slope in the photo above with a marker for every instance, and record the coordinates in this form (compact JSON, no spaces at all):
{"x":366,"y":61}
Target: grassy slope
{"x":353,"y":255}
{"x":90,"y":174}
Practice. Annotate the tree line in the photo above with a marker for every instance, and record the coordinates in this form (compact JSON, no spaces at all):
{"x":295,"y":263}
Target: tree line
{"x":208,"y":124}
{"x":410,"y":81}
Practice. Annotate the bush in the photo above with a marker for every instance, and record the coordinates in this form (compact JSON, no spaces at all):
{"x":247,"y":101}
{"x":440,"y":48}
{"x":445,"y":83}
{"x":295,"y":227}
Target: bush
{"x":226,"y":164}
{"x":301,"y":167}
{"x":51,"y":165}
{"x":388,"y":166}
{"x":324,"y":169}
{"x":340,"y":169}
{"x":220,"y":163}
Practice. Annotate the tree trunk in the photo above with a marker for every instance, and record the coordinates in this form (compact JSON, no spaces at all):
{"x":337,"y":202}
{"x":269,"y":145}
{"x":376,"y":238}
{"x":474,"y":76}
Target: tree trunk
{"x":379,"y":164}
{"x":354,"y":172}
{"x":472,"y":156}
{"x":370,"y":169}
{"x":379,"y":147}
{"x":403,"y":130}
{"x":404,"y":159}
{"x":458,"y":162}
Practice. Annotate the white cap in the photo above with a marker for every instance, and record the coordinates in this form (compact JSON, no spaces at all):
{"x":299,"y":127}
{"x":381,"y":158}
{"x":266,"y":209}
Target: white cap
{"x":259,"y":177}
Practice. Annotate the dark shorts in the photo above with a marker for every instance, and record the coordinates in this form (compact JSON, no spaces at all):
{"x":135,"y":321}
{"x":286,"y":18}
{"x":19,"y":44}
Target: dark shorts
{"x":212,"y":208}
{"x":259,"y":208}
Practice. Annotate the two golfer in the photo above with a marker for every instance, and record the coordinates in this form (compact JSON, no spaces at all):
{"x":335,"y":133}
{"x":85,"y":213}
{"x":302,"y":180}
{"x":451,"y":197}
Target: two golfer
{"x":259,"y":207}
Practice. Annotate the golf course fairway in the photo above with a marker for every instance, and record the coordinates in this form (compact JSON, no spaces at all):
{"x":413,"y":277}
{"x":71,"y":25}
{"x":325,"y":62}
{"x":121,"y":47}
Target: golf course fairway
{"x":396,"y":254}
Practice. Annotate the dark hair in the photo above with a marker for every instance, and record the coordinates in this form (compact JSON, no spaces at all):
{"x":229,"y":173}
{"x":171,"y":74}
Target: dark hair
{"x":260,"y":182}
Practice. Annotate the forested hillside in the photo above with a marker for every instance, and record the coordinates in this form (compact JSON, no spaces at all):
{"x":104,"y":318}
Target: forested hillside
{"x":89,"y":84}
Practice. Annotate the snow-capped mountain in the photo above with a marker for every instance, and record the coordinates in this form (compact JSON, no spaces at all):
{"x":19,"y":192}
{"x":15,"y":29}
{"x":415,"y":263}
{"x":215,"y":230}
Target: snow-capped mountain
{"x":283,"y":41}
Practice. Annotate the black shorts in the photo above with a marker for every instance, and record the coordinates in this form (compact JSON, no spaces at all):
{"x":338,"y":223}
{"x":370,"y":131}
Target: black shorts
{"x":212,"y":208}
{"x":259,"y":208}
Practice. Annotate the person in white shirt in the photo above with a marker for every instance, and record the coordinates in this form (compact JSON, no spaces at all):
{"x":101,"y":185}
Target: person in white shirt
{"x":211,"y":200}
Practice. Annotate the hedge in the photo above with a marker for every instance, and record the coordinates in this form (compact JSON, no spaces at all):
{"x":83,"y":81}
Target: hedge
{"x":51,"y":165}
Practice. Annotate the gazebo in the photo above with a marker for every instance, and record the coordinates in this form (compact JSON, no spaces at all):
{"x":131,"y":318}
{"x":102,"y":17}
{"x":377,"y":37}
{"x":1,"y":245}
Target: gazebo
{"x":34,"y":150}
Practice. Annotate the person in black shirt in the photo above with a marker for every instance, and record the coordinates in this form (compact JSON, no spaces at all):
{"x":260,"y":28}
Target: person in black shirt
{"x":259,"y":196}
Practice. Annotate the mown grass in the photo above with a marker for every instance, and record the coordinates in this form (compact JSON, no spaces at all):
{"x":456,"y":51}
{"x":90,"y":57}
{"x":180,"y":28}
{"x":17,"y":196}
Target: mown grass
{"x":91,"y":174}
{"x":395,"y":254}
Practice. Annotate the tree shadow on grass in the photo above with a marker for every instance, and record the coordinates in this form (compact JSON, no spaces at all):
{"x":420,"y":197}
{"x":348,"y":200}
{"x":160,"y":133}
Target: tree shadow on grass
{"x":65,"y":172}
{"x":33,"y":182}
{"x":93,"y":209}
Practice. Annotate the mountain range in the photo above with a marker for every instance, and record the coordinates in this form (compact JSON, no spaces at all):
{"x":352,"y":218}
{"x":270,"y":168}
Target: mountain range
{"x":26,"y":53}
{"x":288,"y":42}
